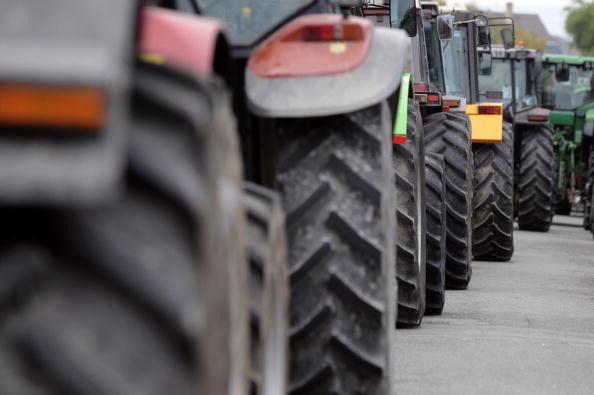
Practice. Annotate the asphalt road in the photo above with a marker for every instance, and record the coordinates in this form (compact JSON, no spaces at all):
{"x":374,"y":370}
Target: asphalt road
{"x":523,"y":327}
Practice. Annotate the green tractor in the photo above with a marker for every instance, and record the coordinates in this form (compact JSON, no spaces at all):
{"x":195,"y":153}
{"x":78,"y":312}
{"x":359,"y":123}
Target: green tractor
{"x":492,"y":148}
{"x":515,"y":71}
{"x":567,"y":90}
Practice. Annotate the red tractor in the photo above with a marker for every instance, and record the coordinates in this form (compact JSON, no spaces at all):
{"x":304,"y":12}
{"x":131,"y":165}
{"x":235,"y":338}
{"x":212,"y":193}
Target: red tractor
{"x":134,"y":257}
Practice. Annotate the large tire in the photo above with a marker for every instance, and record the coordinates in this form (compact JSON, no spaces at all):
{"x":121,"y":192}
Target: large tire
{"x":537,"y":179}
{"x":269,"y":291}
{"x":589,"y":187}
{"x":336,"y":182}
{"x":117,"y":299}
{"x":493,"y":201}
{"x":436,"y":233}
{"x":409,"y":174}
{"x":448,"y":134}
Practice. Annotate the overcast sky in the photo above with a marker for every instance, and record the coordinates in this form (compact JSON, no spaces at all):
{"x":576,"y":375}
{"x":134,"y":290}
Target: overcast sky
{"x":550,"y":11}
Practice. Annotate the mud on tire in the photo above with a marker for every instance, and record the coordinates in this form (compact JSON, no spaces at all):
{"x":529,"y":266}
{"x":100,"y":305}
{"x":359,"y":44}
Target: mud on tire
{"x":335,"y":179}
{"x":448,"y":134}
{"x":493,"y":217}
{"x":114,"y":299}
{"x":409,"y":174}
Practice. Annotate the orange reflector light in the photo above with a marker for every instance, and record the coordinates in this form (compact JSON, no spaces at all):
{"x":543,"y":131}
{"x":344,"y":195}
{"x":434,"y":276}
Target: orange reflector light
{"x":489,"y":110}
{"x":342,"y":32}
{"x":396,"y":139}
{"x":433,"y":98}
{"x":450,"y":102}
{"x":537,"y":117}
{"x":81,"y":108}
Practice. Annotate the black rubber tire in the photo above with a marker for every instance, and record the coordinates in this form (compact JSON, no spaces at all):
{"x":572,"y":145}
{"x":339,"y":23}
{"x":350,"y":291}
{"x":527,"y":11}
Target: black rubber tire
{"x":269,"y":291}
{"x":409,"y":174}
{"x":448,"y":134}
{"x":335,"y":178}
{"x":537,"y":179}
{"x":436,"y":233}
{"x":587,"y":198}
{"x":493,"y":199}
{"x":113,"y":300}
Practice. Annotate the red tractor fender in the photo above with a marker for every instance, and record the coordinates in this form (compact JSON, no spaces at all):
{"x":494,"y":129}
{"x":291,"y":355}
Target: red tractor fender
{"x":188,"y":42}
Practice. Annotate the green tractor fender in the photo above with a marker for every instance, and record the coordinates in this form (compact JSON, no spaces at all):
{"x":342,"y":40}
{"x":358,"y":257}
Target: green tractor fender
{"x":405,"y":92}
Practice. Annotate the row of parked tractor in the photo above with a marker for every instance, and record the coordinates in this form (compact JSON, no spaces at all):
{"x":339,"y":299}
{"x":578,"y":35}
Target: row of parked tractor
{"x":233,"y":197}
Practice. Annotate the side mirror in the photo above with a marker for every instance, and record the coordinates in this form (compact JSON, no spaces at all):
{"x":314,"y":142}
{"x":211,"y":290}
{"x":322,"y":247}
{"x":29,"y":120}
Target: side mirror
{"x":484,"y":36}
{"x":481,"y":21}
{"x":485,"y":63}
{"x":445,"y":27}
{"x":507,"y":36}
{"x":403,"y":15}
{"x":562,"y":72}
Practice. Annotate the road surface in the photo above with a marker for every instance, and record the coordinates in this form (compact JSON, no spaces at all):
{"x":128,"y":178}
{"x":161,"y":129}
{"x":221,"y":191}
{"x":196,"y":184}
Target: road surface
{"x":523,"y":327}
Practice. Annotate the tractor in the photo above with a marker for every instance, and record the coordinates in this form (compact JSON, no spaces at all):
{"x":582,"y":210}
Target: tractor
{"x":567,"y":92}
{"x":431,"y":157}
{"x":171,"y":181}
{"x":516,"y":70}
{"x":492,"y":141}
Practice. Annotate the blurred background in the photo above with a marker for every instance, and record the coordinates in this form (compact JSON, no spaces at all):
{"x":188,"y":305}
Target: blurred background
{"x":557,"y":26}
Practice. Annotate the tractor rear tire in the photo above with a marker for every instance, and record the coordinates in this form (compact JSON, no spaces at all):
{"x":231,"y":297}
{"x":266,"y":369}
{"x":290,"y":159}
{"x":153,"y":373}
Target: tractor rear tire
{"x":493,"y":211}
{"x":269,"y":291}
{"x":436,"y":233}
{"x":448,"y":134}
{"x":409,"y":174}
{"x":335,"y":178}
{"x":139,"y":295}
{"x":588,"y":192}
{"x":537,"y":179}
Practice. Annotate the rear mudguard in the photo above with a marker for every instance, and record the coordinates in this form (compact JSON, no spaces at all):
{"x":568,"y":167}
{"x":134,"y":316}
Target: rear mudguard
{"x":374,"y":80}
{"x":486,"y":128}
{"x":191,"y":43}
{"x":521,"y":118}
{"x":66,"y":43}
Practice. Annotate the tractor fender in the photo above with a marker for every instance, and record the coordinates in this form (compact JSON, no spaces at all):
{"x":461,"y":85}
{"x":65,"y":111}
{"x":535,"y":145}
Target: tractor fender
{"x":523,"y":117}
{"x":375,"y":79}
{"x":83,"y":44}
{"x":192,"y":43}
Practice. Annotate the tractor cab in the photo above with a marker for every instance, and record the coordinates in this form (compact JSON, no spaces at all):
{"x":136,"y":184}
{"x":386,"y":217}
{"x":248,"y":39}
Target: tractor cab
{"x":515,"y":71}
{"x":422,"y":23}
{"x":463,"y":64}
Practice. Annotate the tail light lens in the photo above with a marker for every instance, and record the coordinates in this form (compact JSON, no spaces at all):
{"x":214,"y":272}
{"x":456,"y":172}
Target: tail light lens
{"x":489,"y":110}
{"x":80,"y":108}
{"x":313,"y":45}
{"x":338,"y":32}
{"x":433,"y":98}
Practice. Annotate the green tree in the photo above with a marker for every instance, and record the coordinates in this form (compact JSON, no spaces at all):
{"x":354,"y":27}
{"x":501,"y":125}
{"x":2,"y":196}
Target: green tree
{"x":580,"y":24}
